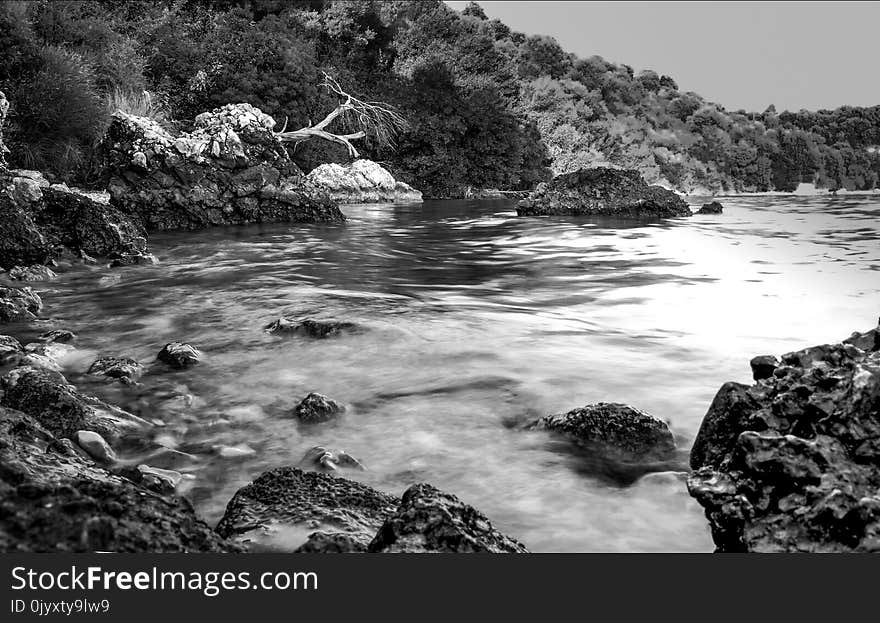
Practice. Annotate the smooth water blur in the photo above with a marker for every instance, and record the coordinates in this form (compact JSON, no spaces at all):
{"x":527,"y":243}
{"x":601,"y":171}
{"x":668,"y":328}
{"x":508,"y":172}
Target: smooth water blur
{"x":477,"y":321}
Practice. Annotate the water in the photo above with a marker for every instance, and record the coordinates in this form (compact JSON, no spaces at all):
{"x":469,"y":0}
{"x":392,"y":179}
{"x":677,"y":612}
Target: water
{"x":477,"y":321}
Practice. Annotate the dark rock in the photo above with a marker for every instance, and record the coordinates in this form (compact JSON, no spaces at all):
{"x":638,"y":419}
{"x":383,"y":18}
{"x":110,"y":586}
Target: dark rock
{"x":288,"y":497}
{"x":60,"y":336}
{"x":601,"y":191}
{"x":614,"y":431}
{"x":19,"y":304}
{"x":791,"y":463}
{"x":11,"y":350}
{"x":712,"y":207}
{"x":32,"y":273}
{"x":429,"y":520}
{"x":231,"y":169}
{"x":323,"y":459}
{"x":120,"y":368}
{"x":763,"y":366}
{"x":52,"y":499}
{"x":316,"y":408}
{"x":22,"y":242}
{"x":334,"y":543}
{"x":318,"y":329}
{"x":179,"y":355}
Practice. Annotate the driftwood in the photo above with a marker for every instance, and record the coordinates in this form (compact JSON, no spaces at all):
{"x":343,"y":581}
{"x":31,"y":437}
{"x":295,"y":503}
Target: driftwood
{"x":376,"y":119}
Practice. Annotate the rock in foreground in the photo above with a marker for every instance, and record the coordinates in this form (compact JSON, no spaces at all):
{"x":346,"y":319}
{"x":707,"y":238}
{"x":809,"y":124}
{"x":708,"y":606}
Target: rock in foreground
{"x":601,"y":191}
{"x":792,"y":462}
{"x":231,"y":169}
{"x":19,"y":304}
{"x":362,"y":181}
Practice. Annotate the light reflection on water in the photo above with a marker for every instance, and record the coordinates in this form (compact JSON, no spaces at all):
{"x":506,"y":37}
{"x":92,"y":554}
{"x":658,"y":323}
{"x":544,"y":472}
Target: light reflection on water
{"x":478,"y":320}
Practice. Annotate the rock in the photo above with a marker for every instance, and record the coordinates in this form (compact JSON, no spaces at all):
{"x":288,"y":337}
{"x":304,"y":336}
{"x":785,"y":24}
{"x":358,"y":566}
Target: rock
{"x":22,"y":242}
{"x":19,"y":304}
{"x":57,"y":406}
{"x":316,"y":408}
{"x":287,"y":498}
{"x":712,"y":207}
{"x":318,"y":329}
{"x":429,"y":520}
{"x":613,"y":431}
{"x":54,"y":500}
{"x":95,"y":446}
{"x":601,"y":191}
{"x":141,"y":259}
{"x":60,"y":336}
{"x":791,"y":462}
{"x":231,"y":169}
{"x":763,"y":366}
{"x":179,"y":355}
{"x":4,"y":110}
{"x":334,"y":543}
{"x":119,"y":368}
{"x":362,"y":181}
{"x":25,"y":190}
{"x":11,"y":350}
{"x":32,"y":273}
{"x":323,"y":459}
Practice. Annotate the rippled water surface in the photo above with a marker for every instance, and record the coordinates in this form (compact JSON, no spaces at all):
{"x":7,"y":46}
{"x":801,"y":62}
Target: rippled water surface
{"x":476,"y":321}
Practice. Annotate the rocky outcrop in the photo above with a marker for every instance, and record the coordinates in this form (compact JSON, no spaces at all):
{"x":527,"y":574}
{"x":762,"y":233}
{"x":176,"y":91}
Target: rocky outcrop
{"x":316,"y":408}
{"x":713,"y":207}
{"x":19,"y":304}
{"x":120,"y":369}
{"x":231,"y":169}
{"x":317,"y":329}
{"x":613,"y":432}
{"x":431,"y":521}
{"x":54,"y":499}
{"x":287,"y":497}
{"x":179,"y":355}
{"x":792,"y":462}
{"x":601,"y":191}
{"x":362,"y":181}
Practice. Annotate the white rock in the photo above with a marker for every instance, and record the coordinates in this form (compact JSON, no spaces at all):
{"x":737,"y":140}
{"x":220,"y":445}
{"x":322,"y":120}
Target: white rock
{"x":95,"y":446}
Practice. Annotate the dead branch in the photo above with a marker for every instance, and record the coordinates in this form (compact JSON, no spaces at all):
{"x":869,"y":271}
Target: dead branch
{"x":358,"y":117}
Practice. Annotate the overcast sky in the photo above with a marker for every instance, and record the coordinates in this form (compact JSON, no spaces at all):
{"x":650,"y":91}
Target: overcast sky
{"x":739,"y":54}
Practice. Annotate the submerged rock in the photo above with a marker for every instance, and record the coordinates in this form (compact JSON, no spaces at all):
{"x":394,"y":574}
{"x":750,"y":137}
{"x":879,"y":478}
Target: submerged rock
{"x":231,"y":169}
{"x":317,"y":329}
{"x":122,"y":369}
{"x":791,"y":462}
{"x":179,"y":355}
{"x":316,"y":408}
{"x":52,"y":499}
{"x":362,"y":181}
{"x":321,"y":458}
{"x":713,"y":207}
{"x":19,"y":304}
{"x":429,"y":520}
{"x":613,"y":431}
{"x":287,"y":497}
{"x":60,"y":336}
{"x":602,"y":191}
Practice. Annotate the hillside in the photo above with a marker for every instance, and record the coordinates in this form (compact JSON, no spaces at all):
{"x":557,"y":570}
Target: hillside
{"x":487,"y":107}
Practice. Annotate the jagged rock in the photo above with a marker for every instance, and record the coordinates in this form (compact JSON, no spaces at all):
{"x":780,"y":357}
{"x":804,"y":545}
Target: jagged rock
{"x":95,"y":446}
{"x":288,"y":497}
{"x":323,"y":459}
{"x":316,"y":408}
{"x":179,"y":355}
{"x":21,"y":240}
{"x":140,"y":259}
{"x":61,"y":336}
{"x":231,"y":169}
{"x":334,"y":543}
{"x":713,"y":207}
{"x":429,"y":520}
{"x":52,"y":499}
{"x":55,"y":404}
{"x":763,"y":366}
{"x":362,"y":181}
{"x":32,"y":273}
{"x":613,"y":431}
{"x":122,"y":369}
{"x":19,"y":304}
{"x":602,"y":191}
{"x":791,"y":462}
{"x":318,"y":329}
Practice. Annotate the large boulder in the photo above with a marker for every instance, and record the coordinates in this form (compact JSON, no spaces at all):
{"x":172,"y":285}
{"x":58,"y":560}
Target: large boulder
{"x":362,"y":181}
{"x":55,"y":499}
{"x":231,"y":169}
{"x":431,"y":521}
{"x":602,"y":191}
{"x":792,"y":462}
{"x":19,"y":304}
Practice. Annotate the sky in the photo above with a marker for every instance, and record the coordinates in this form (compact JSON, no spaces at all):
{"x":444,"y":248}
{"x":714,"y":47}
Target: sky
{"x":738,"y":54}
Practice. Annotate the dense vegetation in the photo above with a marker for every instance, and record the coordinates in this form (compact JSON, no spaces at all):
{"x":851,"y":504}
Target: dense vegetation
{"x":488,"y":107}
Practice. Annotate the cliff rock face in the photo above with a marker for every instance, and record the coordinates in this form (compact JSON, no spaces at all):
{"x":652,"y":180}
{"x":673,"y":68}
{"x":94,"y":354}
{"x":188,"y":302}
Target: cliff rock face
{"x":362,"y":181}
{"x":792,"y":462}
{"x":231,"y":169}
{"x":602,"y":191}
